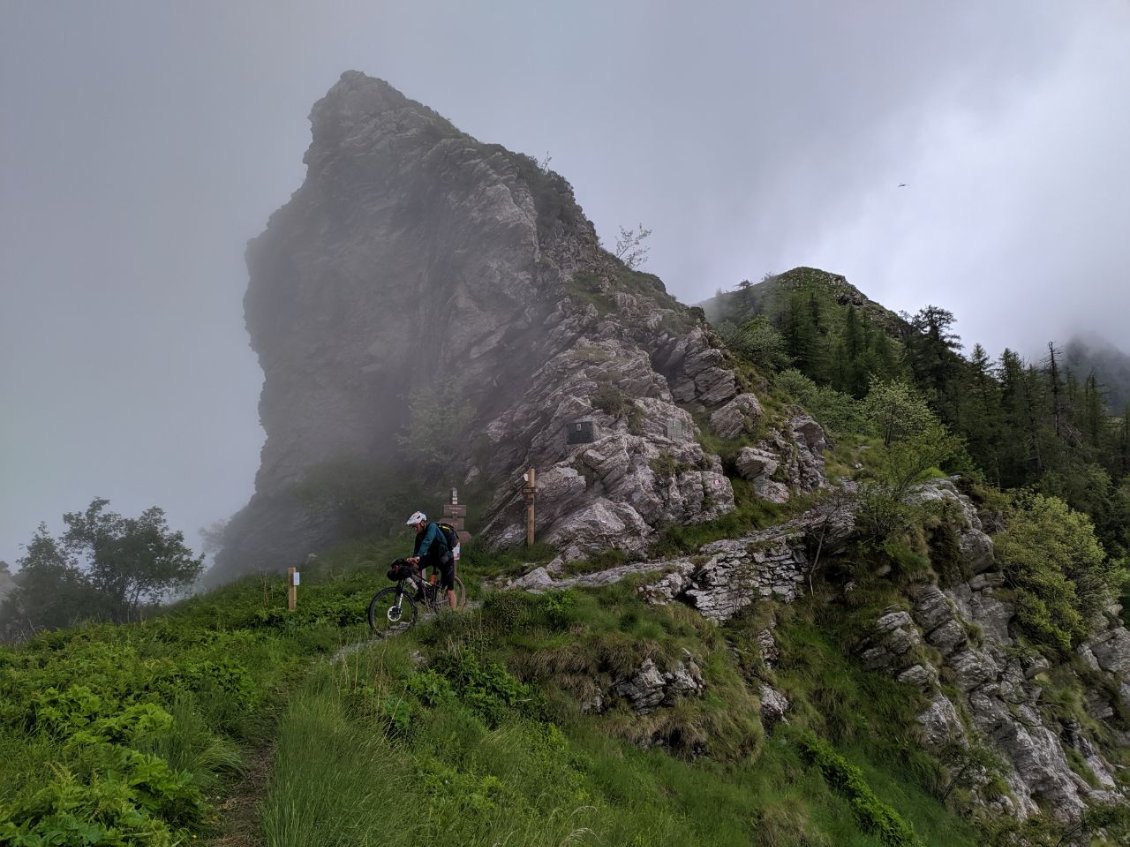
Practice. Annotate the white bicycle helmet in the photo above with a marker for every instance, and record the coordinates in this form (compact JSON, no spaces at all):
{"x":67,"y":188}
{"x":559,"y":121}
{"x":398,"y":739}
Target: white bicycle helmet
{"x":416,"y":518}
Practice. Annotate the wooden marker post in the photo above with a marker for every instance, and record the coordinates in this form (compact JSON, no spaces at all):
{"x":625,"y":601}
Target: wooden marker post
{"x":455,"y":514}
{"x":292,"y":588}
{"x":529,"y":491}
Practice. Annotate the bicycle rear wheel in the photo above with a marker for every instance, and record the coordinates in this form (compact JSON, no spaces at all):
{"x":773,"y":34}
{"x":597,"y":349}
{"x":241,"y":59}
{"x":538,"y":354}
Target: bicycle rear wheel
{"x":391,"y":611}
{"x":437,"y":597}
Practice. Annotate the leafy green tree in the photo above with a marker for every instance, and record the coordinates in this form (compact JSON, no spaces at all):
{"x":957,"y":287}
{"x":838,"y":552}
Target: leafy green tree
{"x":1061,"y":573}
{"x":51,"y":590}
{"x":1122,"y":445}
{"x":931,"y":349}
{"x":757,"y":340}
{"x":838,"y":412}
{"x":1020,"y":456}
{"x":914,"y":442}
{"x":1084,"y":487}
{"x":982,"y":423}
{"x":105,"y":566}
{"x":855,"y":360}
{"x":1119,"y":543}
{"x":896,"y":411}
{"x":800,"y":325}
{"x":129,"y":561}
{"x":908,"y":461}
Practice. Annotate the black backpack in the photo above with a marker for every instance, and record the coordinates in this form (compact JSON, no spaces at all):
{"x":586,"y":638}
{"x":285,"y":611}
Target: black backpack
{"x":451,"y":537}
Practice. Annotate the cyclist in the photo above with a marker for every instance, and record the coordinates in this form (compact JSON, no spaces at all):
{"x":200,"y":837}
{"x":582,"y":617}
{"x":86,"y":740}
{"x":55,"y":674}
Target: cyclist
{"x":431,"y":550}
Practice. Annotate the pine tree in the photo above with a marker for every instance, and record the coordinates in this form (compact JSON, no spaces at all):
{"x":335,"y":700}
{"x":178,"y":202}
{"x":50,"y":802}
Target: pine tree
{"x":1020,"y":454}
{"x":983,"y":423}
{"x":932,"y":354}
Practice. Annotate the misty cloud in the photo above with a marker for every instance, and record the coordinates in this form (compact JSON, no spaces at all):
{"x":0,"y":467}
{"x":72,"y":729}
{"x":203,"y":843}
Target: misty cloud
{"x":142,"y":145}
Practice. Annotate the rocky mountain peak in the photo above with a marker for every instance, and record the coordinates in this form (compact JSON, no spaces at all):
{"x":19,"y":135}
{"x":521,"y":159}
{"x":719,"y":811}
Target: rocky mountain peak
{"x":439,"y":311}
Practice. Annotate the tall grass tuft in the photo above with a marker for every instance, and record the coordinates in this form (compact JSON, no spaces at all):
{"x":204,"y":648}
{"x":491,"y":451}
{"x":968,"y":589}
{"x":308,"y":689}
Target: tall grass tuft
{"x":333,"y":784}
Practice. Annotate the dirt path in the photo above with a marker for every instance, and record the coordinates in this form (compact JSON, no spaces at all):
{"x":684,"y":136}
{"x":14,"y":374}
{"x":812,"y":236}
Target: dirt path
{"x":240,"y":812}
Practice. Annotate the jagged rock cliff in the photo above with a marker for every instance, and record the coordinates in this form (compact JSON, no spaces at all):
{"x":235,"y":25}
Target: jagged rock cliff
{"x":415,"y":256}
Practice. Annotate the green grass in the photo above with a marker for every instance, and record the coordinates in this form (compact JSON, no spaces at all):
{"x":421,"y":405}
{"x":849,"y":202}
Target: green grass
{"x":470,"y":729}
{"x":481,"y":717}
{"x":125,"y":734}
{"x":331,"y":779}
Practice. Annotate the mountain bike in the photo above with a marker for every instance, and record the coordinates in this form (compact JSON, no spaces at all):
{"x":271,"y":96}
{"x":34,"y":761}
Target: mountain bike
{"x":395,"y":609}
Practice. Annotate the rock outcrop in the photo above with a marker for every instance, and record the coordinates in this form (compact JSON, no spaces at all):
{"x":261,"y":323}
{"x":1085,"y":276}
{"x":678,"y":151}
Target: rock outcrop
{"x":952,"y":644}
{"x":414,"y":256}
{"x":649,"y":687}
{"x":786,"y":462}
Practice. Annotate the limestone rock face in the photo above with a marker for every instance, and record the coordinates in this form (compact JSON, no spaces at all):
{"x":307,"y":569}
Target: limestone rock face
{"x":951,"y":644}
{"x":787,"y":461}
{"x":1112,"y":650}
{"x":643,"y":468}
{"x":999,"y":693}
{"x":727,"y":576}
{"x":940,"y":723}
{"x":737,"y":416}
{"x":891,"y":644}
{"x":415,"y":256}
{"x":975,"y":545}
{"x":774,"y":704}
{"x":649,"y":687}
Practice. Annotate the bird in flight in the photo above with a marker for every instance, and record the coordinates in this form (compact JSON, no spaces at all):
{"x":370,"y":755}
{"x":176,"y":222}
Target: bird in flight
{"x":902,"y":185}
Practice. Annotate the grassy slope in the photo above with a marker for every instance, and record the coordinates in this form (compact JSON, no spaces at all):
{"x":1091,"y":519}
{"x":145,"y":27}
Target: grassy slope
{"x":472,"y":728}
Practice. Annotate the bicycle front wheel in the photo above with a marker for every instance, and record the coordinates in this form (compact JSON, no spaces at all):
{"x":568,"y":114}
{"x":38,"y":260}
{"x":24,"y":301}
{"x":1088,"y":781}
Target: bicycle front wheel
{"x":391,"y":611}
{"x":460,"y":594}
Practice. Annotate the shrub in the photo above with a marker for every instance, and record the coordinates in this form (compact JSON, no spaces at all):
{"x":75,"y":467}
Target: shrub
{"x":1060,"y":572}
{"x":872,"y":813}
{"x":485,"y":686}
{"x":612,"y":401}
{"x":666,"y":466}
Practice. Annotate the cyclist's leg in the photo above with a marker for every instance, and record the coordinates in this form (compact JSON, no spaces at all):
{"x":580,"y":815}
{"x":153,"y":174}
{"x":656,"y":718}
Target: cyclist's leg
{"x":447,"y":581}
{"x":460,"y":590}
{"x":419,"y":580}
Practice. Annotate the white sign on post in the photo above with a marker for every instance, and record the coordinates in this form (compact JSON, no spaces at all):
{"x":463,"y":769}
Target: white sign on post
{"x":296,"y":577}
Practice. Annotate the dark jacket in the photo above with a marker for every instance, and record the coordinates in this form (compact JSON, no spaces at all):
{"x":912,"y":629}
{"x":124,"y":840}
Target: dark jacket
{"x":431,"y":546}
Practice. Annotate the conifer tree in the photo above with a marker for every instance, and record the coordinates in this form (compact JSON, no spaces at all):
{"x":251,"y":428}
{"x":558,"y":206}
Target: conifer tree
{"x":983,"y":423}
{"x":932,"y":355}
{"x":1020,"y":453}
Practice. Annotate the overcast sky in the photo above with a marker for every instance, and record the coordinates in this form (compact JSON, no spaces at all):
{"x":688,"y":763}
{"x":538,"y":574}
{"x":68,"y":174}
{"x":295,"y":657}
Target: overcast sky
{"x":143,"y":143}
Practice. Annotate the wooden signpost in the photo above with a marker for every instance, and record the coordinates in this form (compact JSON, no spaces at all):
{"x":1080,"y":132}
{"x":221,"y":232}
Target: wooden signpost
{"x":292,"y":579}
{"x":455,"y":514}
{"x":529,"y":491}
